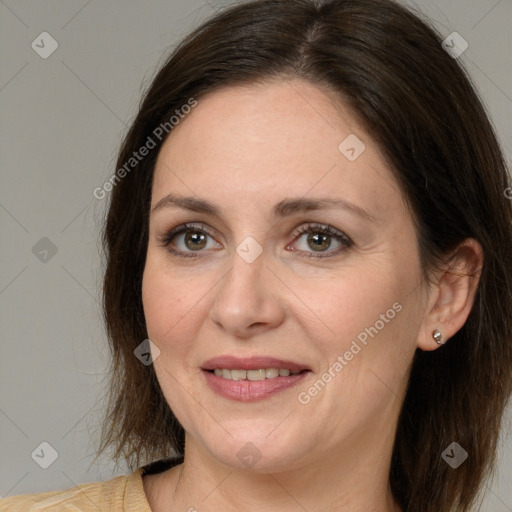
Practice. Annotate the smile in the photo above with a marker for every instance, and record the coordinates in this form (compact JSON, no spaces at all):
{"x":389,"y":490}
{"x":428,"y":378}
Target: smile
{"x":249,"y":379}
{"x":254,"y":375}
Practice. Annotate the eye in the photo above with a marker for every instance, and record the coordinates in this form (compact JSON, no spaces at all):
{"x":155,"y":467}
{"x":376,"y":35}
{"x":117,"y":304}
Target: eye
{"x":189,"y":239}
{"x":319,"y":238}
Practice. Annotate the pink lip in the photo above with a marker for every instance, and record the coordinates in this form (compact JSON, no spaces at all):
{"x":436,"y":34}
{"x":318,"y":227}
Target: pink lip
{"x":246,"y":390}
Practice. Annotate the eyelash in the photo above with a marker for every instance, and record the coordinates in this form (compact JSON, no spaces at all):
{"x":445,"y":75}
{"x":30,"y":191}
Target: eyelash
{"x":324,"y":229}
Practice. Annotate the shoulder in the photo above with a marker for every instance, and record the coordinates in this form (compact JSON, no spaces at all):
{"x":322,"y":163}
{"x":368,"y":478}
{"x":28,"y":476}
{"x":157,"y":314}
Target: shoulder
{"x":122,"y":493}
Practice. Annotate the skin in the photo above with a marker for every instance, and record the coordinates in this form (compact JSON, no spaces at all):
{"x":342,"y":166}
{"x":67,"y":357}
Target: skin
{"x":246,"y":148}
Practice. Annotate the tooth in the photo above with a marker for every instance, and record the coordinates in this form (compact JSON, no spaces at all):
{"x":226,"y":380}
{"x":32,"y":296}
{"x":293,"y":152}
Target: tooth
{"x":261,"y":374}
{"x":238,"y":374}
{"x":270,"y":373}
{"x":256,"y":374}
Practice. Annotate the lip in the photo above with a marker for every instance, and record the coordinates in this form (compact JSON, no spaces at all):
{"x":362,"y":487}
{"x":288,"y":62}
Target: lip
{"x":251,"y":391}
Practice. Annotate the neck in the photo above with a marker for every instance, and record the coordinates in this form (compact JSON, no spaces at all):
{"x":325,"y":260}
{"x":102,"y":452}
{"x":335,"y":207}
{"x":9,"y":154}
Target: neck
{"x":351,"y":478}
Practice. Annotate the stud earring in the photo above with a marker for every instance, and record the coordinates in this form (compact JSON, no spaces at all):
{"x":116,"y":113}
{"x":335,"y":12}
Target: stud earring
{"x":438,"y":337}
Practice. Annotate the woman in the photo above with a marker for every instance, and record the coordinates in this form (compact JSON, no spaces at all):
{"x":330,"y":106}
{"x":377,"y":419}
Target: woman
{"x":308,"y":289}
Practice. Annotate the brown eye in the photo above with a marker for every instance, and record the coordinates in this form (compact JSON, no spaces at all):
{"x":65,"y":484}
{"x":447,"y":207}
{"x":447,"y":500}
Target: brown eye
{"x":195,"y":240}
{"x":318,"y":238}
{"x":318,"y":242}
{"x":189,"y":240}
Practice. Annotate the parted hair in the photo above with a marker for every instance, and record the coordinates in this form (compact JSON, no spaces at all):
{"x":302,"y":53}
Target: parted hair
{"x":416,"y":101}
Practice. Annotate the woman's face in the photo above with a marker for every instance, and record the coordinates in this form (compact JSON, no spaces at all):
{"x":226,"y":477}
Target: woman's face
{"x":243,"y":288}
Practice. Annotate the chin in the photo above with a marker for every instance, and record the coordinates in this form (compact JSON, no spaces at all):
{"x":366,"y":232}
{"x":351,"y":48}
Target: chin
{"x":250,"y":449}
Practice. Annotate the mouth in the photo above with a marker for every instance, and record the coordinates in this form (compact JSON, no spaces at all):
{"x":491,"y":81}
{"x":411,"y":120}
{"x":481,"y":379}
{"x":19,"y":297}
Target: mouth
{"x":251,"y":379}
{"x":254,"y":375}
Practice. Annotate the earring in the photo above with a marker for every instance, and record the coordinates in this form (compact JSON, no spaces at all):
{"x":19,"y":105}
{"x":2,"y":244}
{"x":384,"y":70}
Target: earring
{"x":438,"y":337}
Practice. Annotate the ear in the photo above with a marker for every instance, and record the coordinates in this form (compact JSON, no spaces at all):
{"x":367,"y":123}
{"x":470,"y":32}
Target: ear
{"x":451,"y":297}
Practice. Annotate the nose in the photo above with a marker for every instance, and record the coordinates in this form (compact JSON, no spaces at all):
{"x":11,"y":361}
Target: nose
{"x":247,"y":300}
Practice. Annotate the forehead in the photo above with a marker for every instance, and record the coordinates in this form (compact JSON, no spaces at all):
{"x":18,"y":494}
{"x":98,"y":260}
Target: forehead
{"x":261,"y":141}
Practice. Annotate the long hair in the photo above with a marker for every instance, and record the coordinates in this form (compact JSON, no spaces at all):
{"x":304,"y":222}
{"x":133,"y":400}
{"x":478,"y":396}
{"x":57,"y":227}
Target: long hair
{"x":417,"y":102}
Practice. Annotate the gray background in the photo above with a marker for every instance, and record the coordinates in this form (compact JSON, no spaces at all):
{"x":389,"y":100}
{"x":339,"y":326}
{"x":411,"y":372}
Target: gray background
{"x":62,"y":121}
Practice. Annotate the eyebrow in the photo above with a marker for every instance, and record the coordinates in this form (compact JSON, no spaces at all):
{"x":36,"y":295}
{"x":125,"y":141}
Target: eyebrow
{"x":284,"y":208}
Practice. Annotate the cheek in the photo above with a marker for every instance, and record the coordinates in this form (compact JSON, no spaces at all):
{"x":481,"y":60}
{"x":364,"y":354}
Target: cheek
{"x":373,"y":321}
{"x":352,"y":302}
{"x":367,"y":358}
{"x":171,"y":308}
{"x":166,"y":300}
{"x":176,"y":304}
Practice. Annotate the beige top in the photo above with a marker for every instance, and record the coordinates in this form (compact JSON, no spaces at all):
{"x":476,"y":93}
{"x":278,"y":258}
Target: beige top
{"x":123,"y":493}
{"x":120,"y":494}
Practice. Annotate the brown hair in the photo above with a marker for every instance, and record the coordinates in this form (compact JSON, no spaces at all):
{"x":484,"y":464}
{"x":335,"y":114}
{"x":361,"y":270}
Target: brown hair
{"x":418,"y":104}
